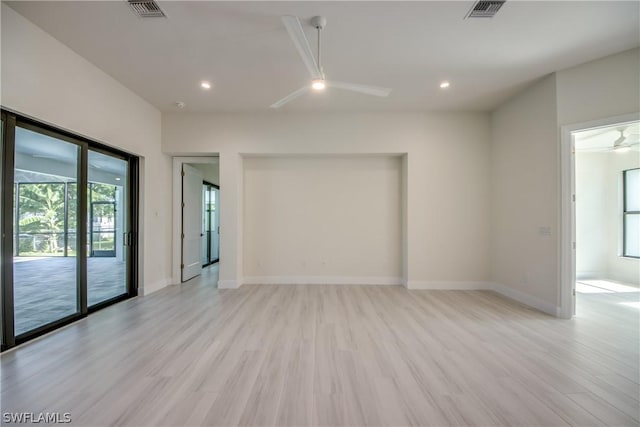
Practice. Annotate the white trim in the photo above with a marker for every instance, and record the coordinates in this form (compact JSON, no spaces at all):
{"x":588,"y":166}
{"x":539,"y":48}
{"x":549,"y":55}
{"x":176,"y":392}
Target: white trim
{"x":228,"y":284}
{"x":448,"y":285}
{"x":321,"y":280}
{"x":526,"y":299}
{"x":567,"y":207}
{"x":177,"y":210}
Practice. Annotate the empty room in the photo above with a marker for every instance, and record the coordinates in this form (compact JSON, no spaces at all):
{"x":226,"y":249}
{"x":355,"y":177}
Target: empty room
{"x":331,"y":213}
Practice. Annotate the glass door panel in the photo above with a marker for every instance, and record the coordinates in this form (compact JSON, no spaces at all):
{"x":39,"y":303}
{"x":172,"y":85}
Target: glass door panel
{"x":106,"y":227}
{"x":205,"y":224}
{"x":102,"y":229}
{"x":45,"y":281}
{"x":215,"y":221}
{"x":209,"y":224}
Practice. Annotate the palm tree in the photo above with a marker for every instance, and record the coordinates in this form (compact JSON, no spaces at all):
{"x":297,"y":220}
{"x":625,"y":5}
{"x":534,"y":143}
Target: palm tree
{"x":42,"y":211}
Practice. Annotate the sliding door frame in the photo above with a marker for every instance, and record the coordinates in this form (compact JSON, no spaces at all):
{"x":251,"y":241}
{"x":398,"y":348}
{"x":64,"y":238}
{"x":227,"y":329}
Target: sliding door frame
{"x":130,"y":237}
{"x":8,"y":158}
{"x":12,"y":120}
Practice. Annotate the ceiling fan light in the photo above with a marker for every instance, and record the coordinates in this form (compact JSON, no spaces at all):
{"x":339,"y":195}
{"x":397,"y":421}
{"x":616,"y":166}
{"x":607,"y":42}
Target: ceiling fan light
{"x":318,"y":84}
{"x":622,"y":148}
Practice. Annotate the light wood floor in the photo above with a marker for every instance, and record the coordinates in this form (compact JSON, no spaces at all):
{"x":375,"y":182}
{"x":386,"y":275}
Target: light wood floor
{"x":333,"y":355}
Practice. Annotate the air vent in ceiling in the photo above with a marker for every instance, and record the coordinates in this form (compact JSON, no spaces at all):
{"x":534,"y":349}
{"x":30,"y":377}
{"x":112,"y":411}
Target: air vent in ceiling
{"x":146,"y":8}
{"x":485,"y":9}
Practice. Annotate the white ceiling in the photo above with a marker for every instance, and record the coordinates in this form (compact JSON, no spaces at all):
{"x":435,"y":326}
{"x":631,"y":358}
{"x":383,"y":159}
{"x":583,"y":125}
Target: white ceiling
{"x":603,"y":138}
{"x":244,"y":50}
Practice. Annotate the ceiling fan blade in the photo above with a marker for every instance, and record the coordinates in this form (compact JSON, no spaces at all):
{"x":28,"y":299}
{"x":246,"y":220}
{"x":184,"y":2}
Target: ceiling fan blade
{"x":369,"y":90}
{"x":619,"y":141}
{"x":292,"y":24}
{"x":593,"y":149}
{"x":290,"y":97}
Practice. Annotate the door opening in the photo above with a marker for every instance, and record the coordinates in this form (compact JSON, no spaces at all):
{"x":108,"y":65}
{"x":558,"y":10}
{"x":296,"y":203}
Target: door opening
{"x":604,"y":215}
{"x":196,"y":214}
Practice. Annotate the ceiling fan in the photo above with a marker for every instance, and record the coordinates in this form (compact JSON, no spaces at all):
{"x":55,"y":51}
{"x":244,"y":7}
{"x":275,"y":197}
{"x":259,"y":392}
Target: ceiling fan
{"x":318,"y":81}
{"x":621,"y":144}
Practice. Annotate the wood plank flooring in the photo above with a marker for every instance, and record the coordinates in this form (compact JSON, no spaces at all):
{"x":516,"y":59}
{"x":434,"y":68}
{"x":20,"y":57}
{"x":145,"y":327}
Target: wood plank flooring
{"x":333,"y":355}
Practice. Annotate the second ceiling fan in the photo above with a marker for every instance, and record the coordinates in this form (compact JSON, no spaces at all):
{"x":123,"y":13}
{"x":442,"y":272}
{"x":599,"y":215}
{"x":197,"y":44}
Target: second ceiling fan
{"x":318,"y":81}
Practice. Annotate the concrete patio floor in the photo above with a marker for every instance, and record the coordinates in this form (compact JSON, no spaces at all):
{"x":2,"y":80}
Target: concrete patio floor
{"x":45,"y":287}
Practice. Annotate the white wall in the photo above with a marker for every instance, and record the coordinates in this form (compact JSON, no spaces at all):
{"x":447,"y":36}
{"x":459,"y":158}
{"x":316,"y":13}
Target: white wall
{"x":44,"y":79}
{"x":323,"y":220}
{"x":525,"y":194}
{"x":525,"y":154}
{"x":619,"y":268}
{"x":447,"y":178}
{"x":599,"y":216}
{"x":607,"y":87}
{"x":592,"y":226}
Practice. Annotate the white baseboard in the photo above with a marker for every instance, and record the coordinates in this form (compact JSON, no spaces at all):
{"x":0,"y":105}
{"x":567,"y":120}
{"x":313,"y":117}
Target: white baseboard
{"x":503,"y":290}
{"x":320,"y":280}
{"x":150,"y":288}
{"x":526,"y":299}
{"x":589,"y":275}
{"x":447,"y":285}
{"x":228,"y":284}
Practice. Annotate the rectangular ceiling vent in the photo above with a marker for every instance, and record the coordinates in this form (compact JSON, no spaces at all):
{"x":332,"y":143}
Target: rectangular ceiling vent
{"x":485,"y":9}
{"x":146,"y":8}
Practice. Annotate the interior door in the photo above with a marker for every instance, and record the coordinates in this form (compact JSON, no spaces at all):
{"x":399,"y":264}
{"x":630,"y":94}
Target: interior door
{"x":191,"y":222}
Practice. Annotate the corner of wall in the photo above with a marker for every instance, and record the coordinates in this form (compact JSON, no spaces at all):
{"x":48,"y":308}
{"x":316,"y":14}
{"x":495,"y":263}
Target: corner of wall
{"x":150,"y":288}
{"x":229,"y":284}
{"x":525,"y":200}
{"x":525,"y":298}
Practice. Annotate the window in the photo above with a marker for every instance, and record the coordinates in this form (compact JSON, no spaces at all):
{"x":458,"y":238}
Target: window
{"x":631,"y":213}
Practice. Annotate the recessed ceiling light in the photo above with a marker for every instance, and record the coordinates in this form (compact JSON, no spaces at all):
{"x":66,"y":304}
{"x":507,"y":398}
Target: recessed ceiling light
{"x":445,"y":84}
{"x":318,"y":84}
{"x":117,"y":179}
{"x":205,"y":85}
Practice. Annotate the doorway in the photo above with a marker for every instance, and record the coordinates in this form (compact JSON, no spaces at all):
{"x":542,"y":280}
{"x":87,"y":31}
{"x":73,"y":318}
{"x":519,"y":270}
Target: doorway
{"x":604,"y":219}
{"x":196,"y":216}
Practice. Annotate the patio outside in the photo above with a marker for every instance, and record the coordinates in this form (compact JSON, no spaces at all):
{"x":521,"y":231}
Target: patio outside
{"x":45,"y":287}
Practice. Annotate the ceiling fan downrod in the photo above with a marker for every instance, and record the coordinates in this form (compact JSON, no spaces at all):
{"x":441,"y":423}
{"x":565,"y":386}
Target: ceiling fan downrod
{"x":319,"y":22}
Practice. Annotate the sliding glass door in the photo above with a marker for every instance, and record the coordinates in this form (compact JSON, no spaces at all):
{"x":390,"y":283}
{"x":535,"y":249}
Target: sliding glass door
{"x":69,"y":228}
{"x":2,"y":126}
{"x":45,"y":263}
{"x":107,"y":221}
